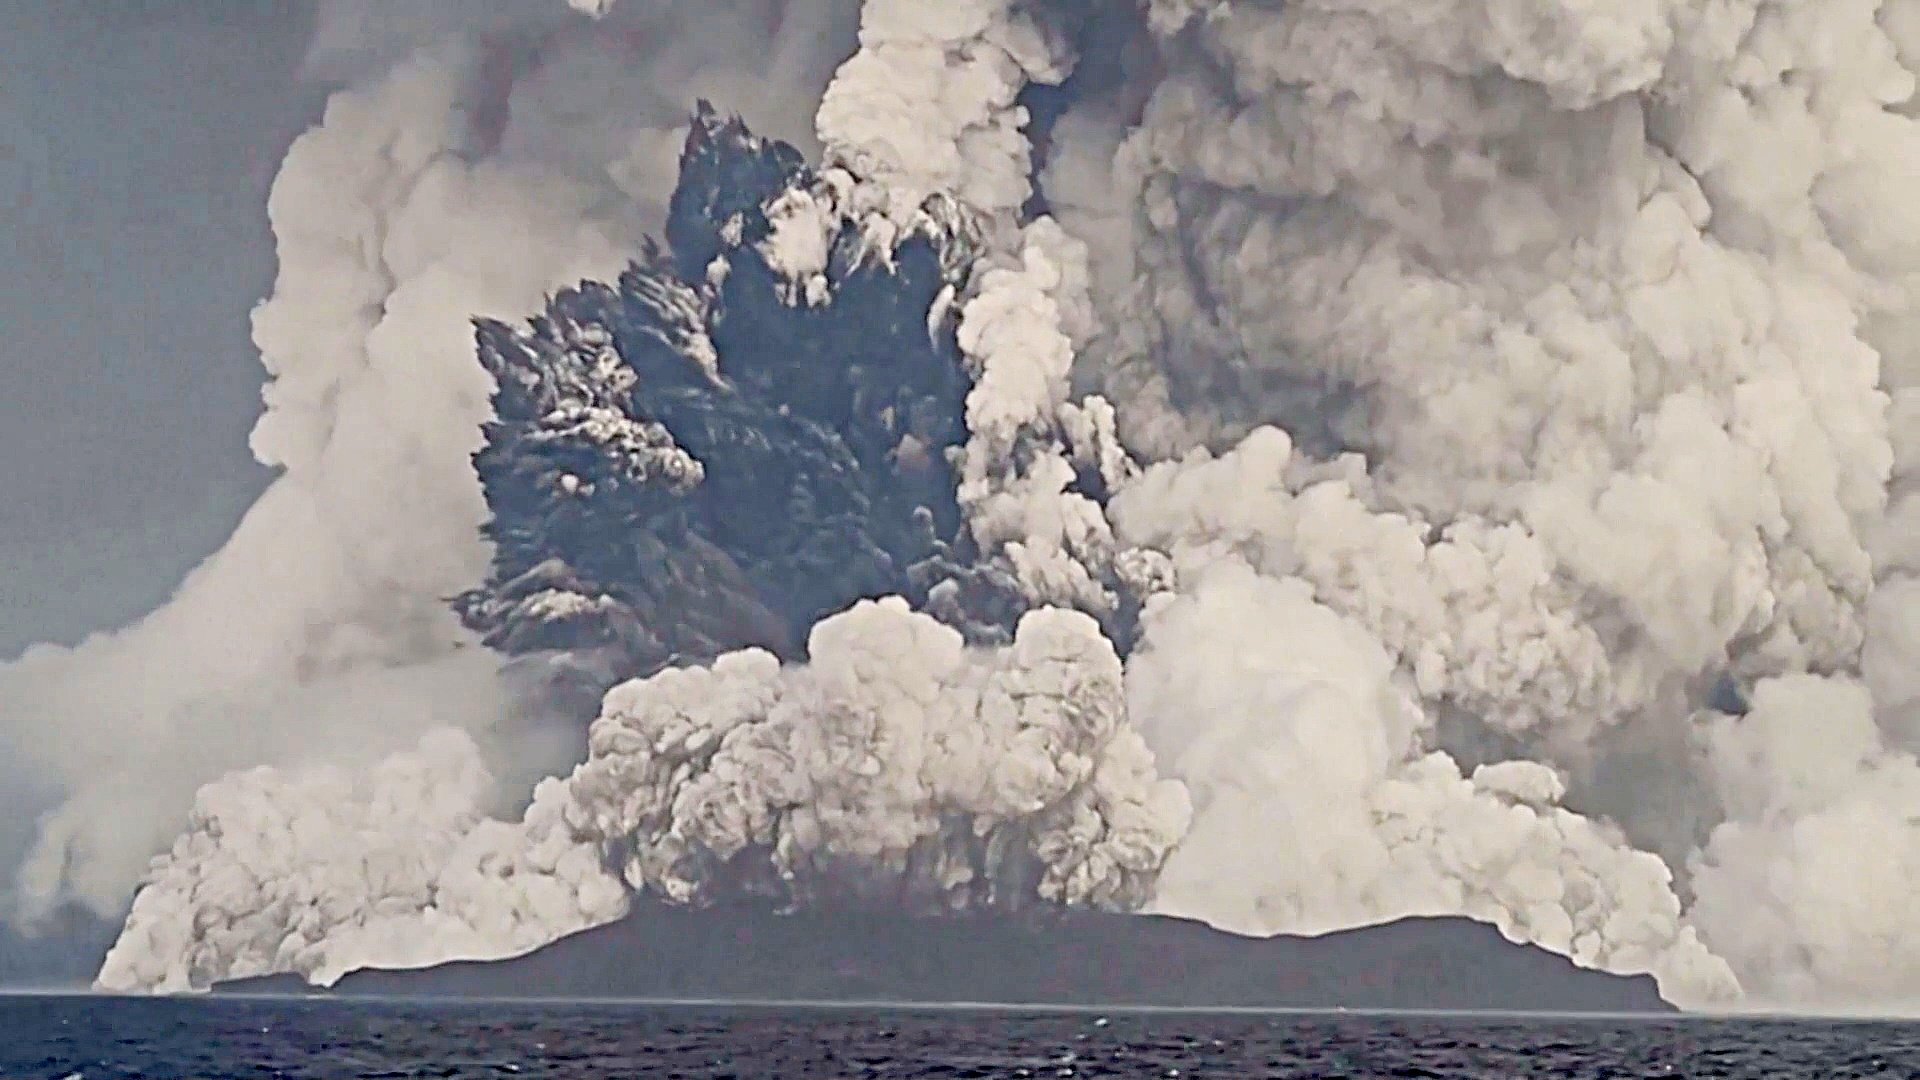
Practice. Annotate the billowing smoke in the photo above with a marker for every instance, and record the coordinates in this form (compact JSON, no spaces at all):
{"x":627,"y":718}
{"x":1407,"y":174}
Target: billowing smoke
{"x":1589,"y":322}
{"x":1336,"y":460}
{"x":1820,"y":834}
{"x":897,"y":767}
{"x":1310,"y":742}
{"x":495,"y":152}
{"x":304,"y":870}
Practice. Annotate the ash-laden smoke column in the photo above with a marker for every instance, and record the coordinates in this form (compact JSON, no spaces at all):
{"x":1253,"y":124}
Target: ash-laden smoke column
{"x":786,"y":410}
{"x":707,"y":463}
{"x":1447,"y":458}
{"x":1595,"y":324}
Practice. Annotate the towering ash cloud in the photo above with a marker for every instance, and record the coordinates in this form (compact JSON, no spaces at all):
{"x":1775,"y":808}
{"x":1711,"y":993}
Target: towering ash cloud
{"x":1613,"y":304}
{"x":1326,"y":461}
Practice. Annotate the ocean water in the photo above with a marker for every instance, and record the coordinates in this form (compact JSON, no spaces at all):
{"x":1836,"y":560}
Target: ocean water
{"x":99,"y":1038}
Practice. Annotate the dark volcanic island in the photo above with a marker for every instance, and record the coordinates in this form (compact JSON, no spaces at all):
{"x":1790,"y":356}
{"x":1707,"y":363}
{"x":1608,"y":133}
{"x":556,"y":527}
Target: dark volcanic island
{"x":1073,"y":958}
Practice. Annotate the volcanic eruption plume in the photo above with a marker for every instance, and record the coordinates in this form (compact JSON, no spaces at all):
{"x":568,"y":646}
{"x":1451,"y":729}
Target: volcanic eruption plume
{"x":1288,"y":464}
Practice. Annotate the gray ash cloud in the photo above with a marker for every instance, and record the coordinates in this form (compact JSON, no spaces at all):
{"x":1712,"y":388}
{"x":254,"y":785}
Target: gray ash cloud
{"x":693,"y":459}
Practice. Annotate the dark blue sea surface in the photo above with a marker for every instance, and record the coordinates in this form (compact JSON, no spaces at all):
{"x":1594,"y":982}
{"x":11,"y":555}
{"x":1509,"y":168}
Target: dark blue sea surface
{"x":100,"y":1038}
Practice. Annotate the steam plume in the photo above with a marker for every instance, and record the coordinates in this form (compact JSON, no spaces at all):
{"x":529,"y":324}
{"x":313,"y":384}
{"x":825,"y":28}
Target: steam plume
{"x":897,"y":767}
{"x":461,"y":181}
{"x":1613,"y":305}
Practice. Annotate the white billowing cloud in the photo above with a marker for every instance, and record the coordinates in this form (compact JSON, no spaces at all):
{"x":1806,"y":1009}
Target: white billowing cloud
{"x":1523,"y":317}
{"x":1288,"y":723}
{"x":928,"y":103}
{"x":1471,"y":612}
{"x":1807,"y":886}
{"x":476,"y":173}
{"x":321,"y":871}
{"x":336,"y":576}
{"x":1612,"y":306}
{"x":896,"y":759}
{"x":1018,"y":332}
{"x":897,"y":765}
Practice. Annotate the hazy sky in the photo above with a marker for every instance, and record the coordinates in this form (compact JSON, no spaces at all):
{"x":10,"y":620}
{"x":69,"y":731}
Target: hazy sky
{"x":137,"y":142}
